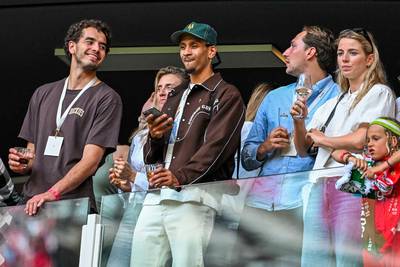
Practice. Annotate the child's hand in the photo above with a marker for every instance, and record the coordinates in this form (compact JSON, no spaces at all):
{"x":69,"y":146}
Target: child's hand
{"x":371,"y":172}
{"x":360,"y":164}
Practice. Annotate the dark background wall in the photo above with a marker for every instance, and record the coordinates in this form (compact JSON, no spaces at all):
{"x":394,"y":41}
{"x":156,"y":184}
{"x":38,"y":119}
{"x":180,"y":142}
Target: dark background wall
{"x":31,"y":29}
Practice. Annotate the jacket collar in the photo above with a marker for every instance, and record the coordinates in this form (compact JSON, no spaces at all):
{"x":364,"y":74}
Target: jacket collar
{"x":212,"y":83}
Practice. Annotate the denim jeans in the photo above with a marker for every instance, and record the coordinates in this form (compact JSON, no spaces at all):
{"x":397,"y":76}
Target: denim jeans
{"x":332,"y":227}
{"x":120,"y":253}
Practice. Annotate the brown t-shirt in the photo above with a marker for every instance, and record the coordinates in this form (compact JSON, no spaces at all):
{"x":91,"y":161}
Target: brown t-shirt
{"x":94,"y":119}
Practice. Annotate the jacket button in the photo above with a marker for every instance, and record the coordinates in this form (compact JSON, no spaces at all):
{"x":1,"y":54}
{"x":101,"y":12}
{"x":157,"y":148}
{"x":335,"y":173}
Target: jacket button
{"x":169,"y":109}
{"x":188,"y":103}
{"x":183,"y":119}
{"x":173,"y":157}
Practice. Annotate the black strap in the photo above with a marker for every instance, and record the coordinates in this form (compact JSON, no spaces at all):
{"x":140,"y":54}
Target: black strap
{"x":323,"y":128}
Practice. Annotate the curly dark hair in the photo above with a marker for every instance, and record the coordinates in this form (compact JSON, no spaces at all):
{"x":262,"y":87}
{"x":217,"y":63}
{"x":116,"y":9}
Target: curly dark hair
{"x":75,"y":32}
{"x":324,"y":42}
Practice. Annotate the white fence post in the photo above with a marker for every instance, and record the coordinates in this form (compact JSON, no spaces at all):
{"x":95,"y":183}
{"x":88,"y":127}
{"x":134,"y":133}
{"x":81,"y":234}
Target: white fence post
{"x":91,"y":242}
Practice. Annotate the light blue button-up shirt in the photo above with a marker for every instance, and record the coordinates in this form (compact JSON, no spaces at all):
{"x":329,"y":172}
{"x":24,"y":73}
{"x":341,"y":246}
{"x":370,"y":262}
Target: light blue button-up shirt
{"x":281,"y":192}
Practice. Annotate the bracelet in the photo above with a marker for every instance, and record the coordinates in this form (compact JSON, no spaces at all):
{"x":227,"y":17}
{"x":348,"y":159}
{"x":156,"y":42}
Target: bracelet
{"x":55,"y":193}
{"x":344,"y":153}
{"x":388,"y":163}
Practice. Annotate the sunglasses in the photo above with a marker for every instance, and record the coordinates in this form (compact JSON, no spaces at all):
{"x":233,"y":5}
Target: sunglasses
{"x":362,"y":32}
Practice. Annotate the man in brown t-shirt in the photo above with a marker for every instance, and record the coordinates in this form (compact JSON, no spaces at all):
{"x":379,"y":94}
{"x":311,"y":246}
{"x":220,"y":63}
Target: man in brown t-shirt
{"x":70,"y":123}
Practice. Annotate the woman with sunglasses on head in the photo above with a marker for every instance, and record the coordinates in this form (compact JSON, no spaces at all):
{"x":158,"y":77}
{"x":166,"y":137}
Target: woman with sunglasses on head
{"x":332,"y":232}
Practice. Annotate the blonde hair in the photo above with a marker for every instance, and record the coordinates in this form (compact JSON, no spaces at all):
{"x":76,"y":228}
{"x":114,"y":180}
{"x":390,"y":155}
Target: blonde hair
{"x":375,"y":73}
{"x":179,"y":72}
{"x":257,"y":96}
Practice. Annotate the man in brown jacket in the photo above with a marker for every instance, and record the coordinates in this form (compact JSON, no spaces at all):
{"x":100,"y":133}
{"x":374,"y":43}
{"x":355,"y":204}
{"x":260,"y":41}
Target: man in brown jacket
{"x":196,"y":139}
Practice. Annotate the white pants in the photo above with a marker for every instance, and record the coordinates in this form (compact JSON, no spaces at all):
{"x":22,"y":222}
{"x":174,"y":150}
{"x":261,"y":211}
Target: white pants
{"x":172,"y":229}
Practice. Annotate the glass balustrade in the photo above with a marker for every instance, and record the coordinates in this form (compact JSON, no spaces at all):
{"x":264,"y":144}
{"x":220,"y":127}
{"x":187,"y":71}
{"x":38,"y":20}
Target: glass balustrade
{"x":293,"y":219}
{"x":50,"y":238}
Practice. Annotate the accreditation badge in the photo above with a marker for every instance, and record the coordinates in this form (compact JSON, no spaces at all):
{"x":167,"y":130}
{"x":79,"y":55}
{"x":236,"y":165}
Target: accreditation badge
{"x":53,"y":146}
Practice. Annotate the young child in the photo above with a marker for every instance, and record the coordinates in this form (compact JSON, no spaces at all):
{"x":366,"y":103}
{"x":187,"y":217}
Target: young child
{"x":380,"y":216}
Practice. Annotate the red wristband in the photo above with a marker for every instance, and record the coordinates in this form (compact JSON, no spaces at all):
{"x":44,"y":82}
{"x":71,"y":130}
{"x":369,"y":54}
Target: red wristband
{"x":55,"y":193}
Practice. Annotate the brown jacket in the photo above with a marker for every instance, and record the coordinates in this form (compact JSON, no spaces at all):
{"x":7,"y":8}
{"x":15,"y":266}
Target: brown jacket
{"x":205,"y":147}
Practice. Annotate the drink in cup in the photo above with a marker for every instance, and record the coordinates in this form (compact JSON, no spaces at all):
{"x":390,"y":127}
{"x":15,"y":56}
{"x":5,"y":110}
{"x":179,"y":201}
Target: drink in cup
{"x":303,"y":90}
{"x":151,"y":168}
{"x":24,"y":154}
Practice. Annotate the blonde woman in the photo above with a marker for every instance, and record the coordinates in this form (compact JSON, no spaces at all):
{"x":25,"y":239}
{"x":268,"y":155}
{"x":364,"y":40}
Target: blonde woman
{"x":125,"y":172}
{"x":332,"y":230}
{"x":129,"y":174}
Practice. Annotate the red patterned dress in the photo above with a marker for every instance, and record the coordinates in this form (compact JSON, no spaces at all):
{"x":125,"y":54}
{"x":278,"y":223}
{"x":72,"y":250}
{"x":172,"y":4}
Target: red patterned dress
{"x":383,"y":239}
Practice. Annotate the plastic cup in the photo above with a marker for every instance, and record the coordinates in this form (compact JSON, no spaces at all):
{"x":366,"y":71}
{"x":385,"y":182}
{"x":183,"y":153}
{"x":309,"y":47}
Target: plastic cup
{"x":24,"y":154}
{"x":151,"y":168}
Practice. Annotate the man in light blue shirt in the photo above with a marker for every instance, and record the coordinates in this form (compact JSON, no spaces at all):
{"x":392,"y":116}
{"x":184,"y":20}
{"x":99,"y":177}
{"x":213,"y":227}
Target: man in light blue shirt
{"x":269,"y":144}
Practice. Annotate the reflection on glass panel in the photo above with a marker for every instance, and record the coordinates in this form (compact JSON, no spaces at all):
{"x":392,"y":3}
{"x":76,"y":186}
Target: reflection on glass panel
{"x":118,"y":216}
{"x":246,"y":223}
{"x":50,"y":238}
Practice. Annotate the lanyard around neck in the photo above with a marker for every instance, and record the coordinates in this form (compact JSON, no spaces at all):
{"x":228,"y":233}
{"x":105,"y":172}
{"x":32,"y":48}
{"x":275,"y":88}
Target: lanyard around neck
{"x":61,"y":118}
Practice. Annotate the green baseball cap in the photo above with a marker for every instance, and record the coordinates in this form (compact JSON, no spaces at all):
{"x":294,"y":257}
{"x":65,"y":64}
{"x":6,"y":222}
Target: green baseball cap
{"x":200,"y":30}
